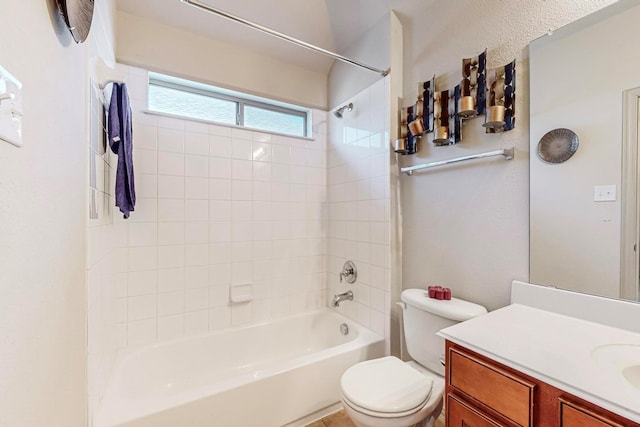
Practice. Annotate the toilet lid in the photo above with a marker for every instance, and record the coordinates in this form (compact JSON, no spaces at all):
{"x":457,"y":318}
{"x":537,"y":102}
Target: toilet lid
{"x":386,"y":385}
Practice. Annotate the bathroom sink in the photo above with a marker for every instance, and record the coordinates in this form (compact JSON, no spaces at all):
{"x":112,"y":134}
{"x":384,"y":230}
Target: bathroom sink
{"x":622,"y":359}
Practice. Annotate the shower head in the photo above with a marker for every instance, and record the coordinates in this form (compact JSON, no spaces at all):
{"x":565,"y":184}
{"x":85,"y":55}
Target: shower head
{"x":339,"y":111}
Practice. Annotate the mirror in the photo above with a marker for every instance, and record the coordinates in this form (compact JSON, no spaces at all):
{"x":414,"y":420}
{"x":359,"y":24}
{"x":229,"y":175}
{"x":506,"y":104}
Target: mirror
{"x":585,"y":77}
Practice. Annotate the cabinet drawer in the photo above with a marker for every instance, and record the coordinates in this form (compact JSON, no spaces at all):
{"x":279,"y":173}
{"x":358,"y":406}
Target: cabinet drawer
{"x":459,"y":414}
{"x":572,"y":415}
{"x":492,"y":386}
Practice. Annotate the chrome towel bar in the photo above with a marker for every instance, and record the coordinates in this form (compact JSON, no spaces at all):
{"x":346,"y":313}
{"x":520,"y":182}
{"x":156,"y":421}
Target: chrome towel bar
{"x":508,"y":154}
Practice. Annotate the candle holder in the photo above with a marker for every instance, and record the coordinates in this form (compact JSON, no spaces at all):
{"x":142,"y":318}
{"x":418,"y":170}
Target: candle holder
{"x":441,"y":136}
{"x":467,"y":107}
{"x":495,"y":117}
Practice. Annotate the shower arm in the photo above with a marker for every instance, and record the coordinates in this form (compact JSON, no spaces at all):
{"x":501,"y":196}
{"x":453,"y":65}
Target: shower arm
{"x":255,"y":26}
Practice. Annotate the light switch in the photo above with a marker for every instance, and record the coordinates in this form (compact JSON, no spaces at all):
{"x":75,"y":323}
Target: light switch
{"x":10,"y":108}
{"x":604,"y":193}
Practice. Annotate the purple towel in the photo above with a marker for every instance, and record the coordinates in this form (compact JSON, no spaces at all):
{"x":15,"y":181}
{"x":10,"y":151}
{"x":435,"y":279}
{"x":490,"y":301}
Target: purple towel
{"x":121,"y":143}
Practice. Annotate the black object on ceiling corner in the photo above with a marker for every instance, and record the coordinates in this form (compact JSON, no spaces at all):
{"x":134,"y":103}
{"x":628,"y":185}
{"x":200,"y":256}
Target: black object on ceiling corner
{"x":77,"y":14}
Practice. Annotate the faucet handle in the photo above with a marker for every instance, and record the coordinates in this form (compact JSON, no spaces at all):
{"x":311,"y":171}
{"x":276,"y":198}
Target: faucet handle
{"x":349,"y":272}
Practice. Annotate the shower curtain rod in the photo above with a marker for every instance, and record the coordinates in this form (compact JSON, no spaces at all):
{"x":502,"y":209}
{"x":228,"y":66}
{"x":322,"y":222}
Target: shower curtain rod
{"x":281,"y":36}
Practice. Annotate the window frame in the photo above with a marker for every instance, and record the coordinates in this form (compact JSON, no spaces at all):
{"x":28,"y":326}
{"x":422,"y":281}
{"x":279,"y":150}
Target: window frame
{"x":240,"y":102}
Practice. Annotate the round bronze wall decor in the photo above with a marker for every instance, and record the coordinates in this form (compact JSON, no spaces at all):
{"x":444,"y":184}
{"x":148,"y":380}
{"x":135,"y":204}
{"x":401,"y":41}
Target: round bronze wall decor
{"x":77,"y":14}
{"x":558,"y":145}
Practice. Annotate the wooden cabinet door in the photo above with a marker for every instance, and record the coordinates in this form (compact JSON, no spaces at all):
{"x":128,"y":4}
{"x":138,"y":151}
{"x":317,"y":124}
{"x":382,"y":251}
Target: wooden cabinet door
{"x":572,"y":415}
{"x":459,"y":414}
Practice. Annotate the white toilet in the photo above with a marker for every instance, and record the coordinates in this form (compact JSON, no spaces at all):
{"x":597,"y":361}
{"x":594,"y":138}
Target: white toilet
{"x":388,"y":392}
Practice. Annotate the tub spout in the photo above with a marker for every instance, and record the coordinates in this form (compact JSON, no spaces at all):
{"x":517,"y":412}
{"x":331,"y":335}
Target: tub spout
{"x":335,"y":302}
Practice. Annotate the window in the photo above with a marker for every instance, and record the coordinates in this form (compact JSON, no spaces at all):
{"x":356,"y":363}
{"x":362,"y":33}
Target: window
{"x":171,"y":95}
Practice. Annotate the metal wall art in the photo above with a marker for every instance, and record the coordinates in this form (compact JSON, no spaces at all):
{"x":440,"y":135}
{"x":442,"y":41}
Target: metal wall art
{"x":473,"y":84}
{"x":481,"y":92}
{"x":501,"y":96}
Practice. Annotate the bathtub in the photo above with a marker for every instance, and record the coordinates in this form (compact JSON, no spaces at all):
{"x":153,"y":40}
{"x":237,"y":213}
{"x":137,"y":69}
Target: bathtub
{"x":265,"y":375}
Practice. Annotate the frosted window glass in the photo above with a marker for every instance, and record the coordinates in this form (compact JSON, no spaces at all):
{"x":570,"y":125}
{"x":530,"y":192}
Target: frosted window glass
{"x":275,"y":121}
{"x":183,"y":103}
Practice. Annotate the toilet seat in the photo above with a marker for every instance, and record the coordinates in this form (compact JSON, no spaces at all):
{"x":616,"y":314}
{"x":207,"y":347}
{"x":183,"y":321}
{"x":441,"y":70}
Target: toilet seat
{"x":386,"y":388}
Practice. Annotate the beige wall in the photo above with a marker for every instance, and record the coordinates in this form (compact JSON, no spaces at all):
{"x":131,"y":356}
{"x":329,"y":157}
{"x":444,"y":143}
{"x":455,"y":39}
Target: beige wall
{"x":42,"y":227}
{"x":147,"y":44}
{"x":466,"y":226}
{"x":578,"y":79}
{"x":372,"y":49}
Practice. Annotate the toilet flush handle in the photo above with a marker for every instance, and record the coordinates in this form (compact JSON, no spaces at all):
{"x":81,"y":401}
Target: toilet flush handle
{"x":402,"y":305}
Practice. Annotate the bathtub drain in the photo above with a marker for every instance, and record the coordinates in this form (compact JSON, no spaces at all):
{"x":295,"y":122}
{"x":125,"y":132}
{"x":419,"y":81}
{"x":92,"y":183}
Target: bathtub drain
{"x":344,"y":329}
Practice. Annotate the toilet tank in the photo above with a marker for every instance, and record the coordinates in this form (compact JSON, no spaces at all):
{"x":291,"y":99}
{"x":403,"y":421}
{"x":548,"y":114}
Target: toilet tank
{"x":423,"y":317}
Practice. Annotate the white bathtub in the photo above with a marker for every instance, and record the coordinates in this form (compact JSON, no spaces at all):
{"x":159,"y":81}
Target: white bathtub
{"x":266,"y":375}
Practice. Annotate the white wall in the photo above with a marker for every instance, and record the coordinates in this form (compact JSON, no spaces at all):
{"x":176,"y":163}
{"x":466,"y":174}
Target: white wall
{"x":156,"y":47}
{"x":42,"y":226}
{"x":218,"y":206}
{"x":359,"y":207}
{"x":373,"y":49}
{"x":466,"y":226}
{"x":106,"y":257}
{"x":575,"y":242}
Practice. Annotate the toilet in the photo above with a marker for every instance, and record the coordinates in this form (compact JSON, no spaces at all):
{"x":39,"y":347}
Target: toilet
{"x":387,"y":392}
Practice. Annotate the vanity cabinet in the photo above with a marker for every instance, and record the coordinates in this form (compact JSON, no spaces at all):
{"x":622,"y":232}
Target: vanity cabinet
{"x":483,"y":393}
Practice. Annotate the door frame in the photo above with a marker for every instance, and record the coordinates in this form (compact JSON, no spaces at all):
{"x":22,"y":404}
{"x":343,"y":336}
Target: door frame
{"x":630,"y":223}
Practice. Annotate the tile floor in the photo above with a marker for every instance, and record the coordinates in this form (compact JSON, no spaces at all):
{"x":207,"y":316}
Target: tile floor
{"x":340,"y":419}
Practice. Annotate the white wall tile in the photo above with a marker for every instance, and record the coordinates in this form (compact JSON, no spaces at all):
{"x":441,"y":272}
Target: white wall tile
{"x":196,"y":322}
{"x":196,"y":254}
{"x":261,"y":171}
{"x":171,"y":279}
{"x":143,"y":234}
{"x":171,"y":163}
{"x":220,"y":253}
{"x":170,"y":256}
{"x":242,"y":170}
{"x":145,"y":137}
{"x":197,"y":210}
{"x":220,"y":167}
{"x":170,"y":233}
{"x":220,"y":274}
{"x":196,"y":299}
{"x":220,"y":189}
{"x":219,"y":318}
{"x":196,"y":188}
{"x":170,"y":139}
{"x":171,"y":210}
{"x":242,"y":149}
{"x":281,"y":154}
{"x":141,"y":332}
{"x":143,"y":258}
{"x":170,"y":303}
{"x":197,"y":166}
{"x":197,"y":276}
{"x":141,"y":307}
{"x":145,"y":161}
{"x":241,"y":190}
{"x":170,"y":187}
{"x":196,"y":232}
{"x":261,"y":151}
{"x":170,"y":327}
{"x":217,"y":205}
{"x":146,"y":185}
{"x":142,"y":283}
{"x":196,"y":143}
{"x":220,"y":146}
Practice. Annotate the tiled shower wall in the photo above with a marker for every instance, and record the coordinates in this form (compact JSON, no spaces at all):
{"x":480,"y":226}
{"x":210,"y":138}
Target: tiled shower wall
{"x":219,"y":206}
{"x":359,"y":206}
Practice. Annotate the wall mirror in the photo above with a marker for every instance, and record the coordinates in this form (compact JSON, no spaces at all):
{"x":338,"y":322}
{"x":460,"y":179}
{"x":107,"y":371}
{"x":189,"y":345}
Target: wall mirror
{"x":584,"y":211}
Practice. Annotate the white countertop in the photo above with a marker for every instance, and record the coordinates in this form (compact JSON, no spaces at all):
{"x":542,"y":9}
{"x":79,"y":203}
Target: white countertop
{"x":555,"y":349}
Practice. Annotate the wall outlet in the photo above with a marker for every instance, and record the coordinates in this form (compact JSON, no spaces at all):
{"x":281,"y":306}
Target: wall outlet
{"x":604,"y":193}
